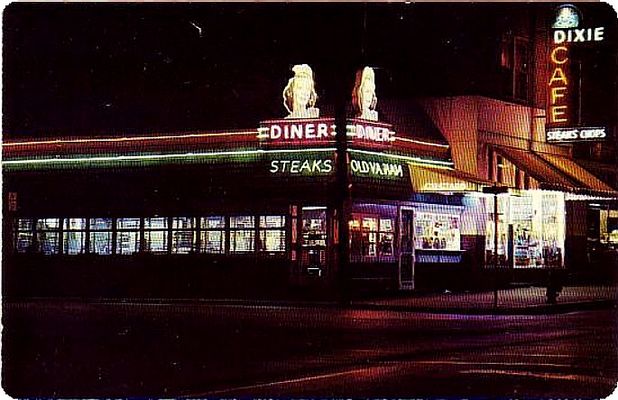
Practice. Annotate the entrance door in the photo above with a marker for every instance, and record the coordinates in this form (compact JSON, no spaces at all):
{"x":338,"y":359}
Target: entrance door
{"x":406,"y":249}
{"x":313,"y":241}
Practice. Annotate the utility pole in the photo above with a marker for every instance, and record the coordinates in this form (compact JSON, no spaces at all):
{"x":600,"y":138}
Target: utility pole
{"x":495,"y":190}
{"x":342,"y":193}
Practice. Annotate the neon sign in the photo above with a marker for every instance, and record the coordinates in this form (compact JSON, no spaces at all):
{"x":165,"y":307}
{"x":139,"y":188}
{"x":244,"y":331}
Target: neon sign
{"x":558,"y":86}
{"x":301,"y":167}
{"x":579,"y":35}
{"x":297,"y":130}
{"x":575,"y":134}
{"x":371,"y":132}
{"x":566,"y":33}
{"x":374,"y":168}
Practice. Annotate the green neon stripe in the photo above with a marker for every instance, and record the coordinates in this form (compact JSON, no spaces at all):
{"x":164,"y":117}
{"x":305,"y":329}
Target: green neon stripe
{"x":158,"y":157}
{"x":141,"y":160}
{"x":417,"y":160}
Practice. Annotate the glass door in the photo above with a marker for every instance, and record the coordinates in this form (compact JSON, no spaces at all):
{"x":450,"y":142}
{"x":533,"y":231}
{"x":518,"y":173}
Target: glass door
{"x":313,"y":241}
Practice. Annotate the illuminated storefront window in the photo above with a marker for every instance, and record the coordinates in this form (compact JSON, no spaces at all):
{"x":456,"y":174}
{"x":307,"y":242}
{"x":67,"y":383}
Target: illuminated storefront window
{"x":48,"y":235}
{"x":502,"y":228}
{"x":242,"y":234}
{"x":24,"y":235}
{"x":371,"y":237}
{"x":608,"y":220}
{"x":74,"y":236}
{"x":100,"y":236}
{"x":313,"y":238}
{"x":537,"y":219}
{"x":272,"y":233}
{"x":437,"y":231}
{"x":212,"y":239}
{"x":155,"y":235}
{"x":183,"y":235}
{"x":127,"y":237}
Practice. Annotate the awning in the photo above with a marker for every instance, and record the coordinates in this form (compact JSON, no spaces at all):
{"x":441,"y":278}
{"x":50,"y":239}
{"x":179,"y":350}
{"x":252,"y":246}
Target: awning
{"x":556,"y":172}
{"x":577,"y":172}
{"x":547,"y":176}
{"x":437,"y":180}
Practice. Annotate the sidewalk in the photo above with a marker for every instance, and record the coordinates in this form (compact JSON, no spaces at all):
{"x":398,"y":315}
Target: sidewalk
{"x":515,"y":301}
{"x":525,"y":300}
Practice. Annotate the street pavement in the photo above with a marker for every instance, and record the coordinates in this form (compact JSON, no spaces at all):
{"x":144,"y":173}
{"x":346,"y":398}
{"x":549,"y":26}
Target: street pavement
{"x":76,"y":348}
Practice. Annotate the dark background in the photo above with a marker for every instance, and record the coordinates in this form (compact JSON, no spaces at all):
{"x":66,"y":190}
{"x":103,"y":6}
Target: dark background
{"x":111,"y":69}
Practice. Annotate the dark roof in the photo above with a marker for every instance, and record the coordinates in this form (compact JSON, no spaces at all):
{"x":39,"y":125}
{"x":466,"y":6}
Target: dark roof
{"x":409,"y":120}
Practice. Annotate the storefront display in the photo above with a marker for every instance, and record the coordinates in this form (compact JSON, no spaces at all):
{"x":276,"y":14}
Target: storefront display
{"x":371,"y":237}
{"x":437,"y":231}
{"x":537,"y":219}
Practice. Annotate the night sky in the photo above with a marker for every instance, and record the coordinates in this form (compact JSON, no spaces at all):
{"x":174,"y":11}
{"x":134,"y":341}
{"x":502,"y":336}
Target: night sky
{"x":111,"y":69}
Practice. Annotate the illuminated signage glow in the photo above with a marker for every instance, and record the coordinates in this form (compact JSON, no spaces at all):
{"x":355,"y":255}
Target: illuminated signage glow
{"x":575,"y":134}
{"x":561,"y":114}
{"x":128,"y":139}
{"x":144,"y":158}
{"x":295,"y":131}
{"x":375,"y":168}
{"x":579,"y":35}
{"x":558,"y":86}
{"x":300,"y":167}
{"x":371,"y":133}
{"x":445,"y":187}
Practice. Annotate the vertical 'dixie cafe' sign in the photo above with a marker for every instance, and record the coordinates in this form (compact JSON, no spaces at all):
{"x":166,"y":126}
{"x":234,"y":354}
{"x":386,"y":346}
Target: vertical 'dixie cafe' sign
{"x":562,"y":113}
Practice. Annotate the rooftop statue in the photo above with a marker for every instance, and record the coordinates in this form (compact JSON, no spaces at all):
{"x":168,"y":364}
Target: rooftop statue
{"x":299,"y":95}
{"x":364,"y":94}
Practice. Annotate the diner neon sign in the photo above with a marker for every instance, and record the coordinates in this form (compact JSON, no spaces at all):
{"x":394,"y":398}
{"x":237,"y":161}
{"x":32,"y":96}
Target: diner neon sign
{"x":300,"y":131}
{"x":296,"y":130}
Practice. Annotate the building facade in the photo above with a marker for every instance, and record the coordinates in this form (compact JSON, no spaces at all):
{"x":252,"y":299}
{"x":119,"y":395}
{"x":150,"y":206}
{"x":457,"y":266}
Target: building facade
{"x":392,"y":195}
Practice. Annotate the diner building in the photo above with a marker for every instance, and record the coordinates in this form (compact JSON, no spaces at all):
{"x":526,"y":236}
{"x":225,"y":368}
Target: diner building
{"x":500,"y":182}
{"x":400,"y":203}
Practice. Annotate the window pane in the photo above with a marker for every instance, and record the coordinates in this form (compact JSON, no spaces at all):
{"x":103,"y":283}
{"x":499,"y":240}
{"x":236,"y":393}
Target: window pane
{"x":155,"y":223}
{"x":75,"y":223}
{"x":241,"y":241}
{"x":272,"y":221}
{"x":272,"y":240}
{"x":100,"y":224}
{"x":24,"y":224}
{"x":213,"y":242}
{"x":23,"y":242}
{"x":242,"y":222}
{"x":182,"y":242}
{"x":370,"y":224}
{"x":386,"y":225}
{"x":127,"y":242}
{"x":437,"y":231}
{"x":74,"y":242}
{"x":386,"y":244}
{"x":48,"y":223}
{"x":49,"y":242}
{"x":155,"y":241}
{"x":213,"y":222}
{"x":182,"y":223}
{"x":101,"y":243}
{"x":128,"y":223}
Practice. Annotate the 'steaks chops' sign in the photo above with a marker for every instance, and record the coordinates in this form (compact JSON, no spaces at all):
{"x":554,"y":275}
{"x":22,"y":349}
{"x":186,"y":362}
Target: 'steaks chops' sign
{"x":576,"y":134}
